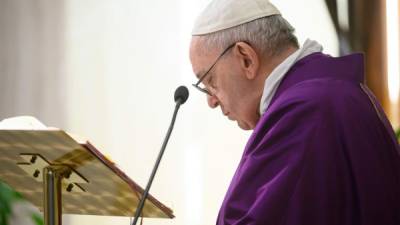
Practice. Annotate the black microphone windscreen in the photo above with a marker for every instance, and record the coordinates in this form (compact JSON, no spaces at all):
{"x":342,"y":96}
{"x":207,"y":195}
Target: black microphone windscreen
{"x":182,"y":94}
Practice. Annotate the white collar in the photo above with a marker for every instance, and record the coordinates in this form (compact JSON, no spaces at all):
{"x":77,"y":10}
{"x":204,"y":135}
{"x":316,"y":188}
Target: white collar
{"x":274,"y":79}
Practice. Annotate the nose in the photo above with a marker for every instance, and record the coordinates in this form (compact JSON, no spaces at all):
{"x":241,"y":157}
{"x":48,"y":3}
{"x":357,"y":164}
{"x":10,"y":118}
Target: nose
{"x":212,"y":101}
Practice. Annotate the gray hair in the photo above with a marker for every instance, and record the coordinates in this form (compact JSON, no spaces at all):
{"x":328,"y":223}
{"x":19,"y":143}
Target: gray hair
{"x":269,"y":36}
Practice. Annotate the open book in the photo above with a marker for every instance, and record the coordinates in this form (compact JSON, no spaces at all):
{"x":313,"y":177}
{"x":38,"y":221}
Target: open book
{"x":22,"y":123}
{"x":31,"y":123}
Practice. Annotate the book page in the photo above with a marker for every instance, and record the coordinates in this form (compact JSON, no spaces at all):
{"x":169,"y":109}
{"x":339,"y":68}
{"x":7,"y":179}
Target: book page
{"x":22,"y":123}
{"x":31,"y":123}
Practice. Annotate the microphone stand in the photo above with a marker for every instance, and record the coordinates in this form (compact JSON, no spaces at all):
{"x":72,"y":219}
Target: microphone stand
{"x":153,"y":173}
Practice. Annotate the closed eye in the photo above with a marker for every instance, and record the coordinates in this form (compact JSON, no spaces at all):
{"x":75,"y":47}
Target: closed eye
{"x":210,"y":81}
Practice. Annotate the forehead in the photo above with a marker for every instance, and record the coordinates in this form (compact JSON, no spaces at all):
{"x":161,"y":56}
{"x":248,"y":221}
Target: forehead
{"x":200,"y":57}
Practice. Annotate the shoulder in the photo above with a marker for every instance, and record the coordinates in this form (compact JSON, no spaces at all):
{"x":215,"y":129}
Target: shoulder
{"x":320,"y":93}
{"x":318,"y":101}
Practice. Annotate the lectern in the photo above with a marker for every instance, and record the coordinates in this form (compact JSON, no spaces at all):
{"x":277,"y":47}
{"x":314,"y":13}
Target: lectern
{"x":59,"y":175}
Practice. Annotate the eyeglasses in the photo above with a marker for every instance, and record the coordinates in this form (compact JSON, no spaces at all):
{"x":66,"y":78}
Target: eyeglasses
{"x":204,"y":90}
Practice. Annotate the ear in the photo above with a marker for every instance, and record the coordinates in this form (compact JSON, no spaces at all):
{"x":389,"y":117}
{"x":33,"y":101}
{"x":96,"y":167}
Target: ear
{"x":248,"y":59}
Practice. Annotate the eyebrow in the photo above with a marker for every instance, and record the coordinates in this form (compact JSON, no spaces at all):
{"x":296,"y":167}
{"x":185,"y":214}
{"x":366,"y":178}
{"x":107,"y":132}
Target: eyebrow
{"x":200,"y":73}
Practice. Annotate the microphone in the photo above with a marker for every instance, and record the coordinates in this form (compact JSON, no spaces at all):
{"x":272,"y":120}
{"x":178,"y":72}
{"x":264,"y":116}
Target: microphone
{"x":180,"y":96}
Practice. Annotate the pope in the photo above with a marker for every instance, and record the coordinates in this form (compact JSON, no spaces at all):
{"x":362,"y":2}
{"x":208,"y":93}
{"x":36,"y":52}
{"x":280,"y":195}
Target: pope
{"x":322,"y":151}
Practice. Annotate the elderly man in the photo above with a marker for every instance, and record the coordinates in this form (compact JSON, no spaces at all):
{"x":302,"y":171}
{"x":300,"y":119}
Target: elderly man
{"x":322,"y":150}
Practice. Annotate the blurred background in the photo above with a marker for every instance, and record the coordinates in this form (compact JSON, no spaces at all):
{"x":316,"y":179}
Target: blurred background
{"x":107,"y":69}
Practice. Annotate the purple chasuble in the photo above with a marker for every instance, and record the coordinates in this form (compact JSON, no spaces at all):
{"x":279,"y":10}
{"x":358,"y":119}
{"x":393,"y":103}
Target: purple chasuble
{"x":323,"y":153}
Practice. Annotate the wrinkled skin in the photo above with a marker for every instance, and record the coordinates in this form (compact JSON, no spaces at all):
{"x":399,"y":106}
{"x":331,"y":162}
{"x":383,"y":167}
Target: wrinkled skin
{"x":236,"y":81}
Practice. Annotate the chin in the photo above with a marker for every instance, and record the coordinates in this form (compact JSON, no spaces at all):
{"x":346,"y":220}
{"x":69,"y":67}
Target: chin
{"x":245,"y":126}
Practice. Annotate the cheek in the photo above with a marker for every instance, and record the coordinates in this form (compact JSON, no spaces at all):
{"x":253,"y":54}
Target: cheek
{"x":228,"y":96}
{"x":234,"y":95}
{"x":243,"y":108}
{"x":231,"y":103}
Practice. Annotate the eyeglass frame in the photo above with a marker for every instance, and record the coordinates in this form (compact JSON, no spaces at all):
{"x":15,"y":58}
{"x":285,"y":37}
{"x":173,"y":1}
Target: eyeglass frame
{"x":202,"y":77}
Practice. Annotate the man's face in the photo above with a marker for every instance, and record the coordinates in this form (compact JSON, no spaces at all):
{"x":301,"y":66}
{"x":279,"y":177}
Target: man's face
{"x":228,"y":83}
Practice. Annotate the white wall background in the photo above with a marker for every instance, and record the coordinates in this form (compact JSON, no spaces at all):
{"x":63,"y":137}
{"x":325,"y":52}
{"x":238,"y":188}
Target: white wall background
{"x":121,"y":62}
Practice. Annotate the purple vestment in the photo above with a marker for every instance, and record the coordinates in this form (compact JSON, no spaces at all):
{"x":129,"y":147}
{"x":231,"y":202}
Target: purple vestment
{"x":323,"y":153}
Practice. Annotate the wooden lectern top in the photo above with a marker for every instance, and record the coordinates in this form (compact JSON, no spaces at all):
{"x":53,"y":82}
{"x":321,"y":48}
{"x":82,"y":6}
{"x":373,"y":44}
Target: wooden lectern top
{"x":96,"y":186}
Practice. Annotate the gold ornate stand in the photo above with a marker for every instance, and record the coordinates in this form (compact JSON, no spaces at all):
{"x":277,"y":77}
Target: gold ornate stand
{"x":52,"y":177}
{"x":59,"y":175}
{"x":55,"y":179}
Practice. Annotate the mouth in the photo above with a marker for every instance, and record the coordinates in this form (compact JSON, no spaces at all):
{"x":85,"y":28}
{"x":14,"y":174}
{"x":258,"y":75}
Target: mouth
{"x":223,"y":110}
{"x":228,"y":115}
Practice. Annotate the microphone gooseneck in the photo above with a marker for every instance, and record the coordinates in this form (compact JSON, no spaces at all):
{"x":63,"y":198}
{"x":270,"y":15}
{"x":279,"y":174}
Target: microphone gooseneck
{"x":180,"y":96}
